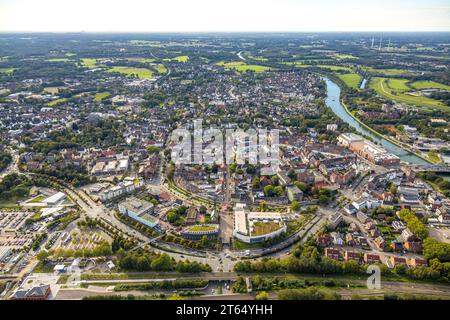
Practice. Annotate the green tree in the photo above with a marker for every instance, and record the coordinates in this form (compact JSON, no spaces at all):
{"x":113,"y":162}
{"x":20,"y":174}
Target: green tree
{"x":295,"y":206}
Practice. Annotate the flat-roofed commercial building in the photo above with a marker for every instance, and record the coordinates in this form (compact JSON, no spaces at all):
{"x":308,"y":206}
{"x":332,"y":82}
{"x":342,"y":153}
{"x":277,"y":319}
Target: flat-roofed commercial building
{"x":139,"y":210}
{"x":55,"y":199}
{"x":254,"y":227}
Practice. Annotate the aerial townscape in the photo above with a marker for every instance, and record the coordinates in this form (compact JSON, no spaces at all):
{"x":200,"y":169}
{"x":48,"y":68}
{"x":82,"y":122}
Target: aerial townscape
{"x":224,"y":166}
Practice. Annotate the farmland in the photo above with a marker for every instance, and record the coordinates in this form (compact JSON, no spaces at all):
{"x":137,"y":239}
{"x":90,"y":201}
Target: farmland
{"x":394,"y":90}
{"x":141,"y":60}
{"x":7,"y":70}
{"x":99,"y":96}
{"x":429,"y":85}
{"x":352,"y":80}
{"x":179,"y":59}
{"x":89,"y":63}
{"x":387,"y":72}
{"x":139,"y":72}
{"x":58,"y":60}
{"x":160,"y":68}
{"x":56,"y":102}
{"x":243,"y":67}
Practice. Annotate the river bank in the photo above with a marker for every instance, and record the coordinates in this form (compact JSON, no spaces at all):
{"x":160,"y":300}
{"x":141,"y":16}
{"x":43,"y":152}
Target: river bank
{"x":334,"y":101}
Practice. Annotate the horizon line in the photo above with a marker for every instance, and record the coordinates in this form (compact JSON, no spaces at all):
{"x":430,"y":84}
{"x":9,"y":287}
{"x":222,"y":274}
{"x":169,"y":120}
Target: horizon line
{"x":224,"y":31}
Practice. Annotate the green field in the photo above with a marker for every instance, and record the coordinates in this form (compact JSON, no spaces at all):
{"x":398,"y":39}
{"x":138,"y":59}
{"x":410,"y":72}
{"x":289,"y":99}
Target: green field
{"x":398,"y":84}
{"x":181,"y":58}
{"x":243,"y":67}
{"x":58,"y":60}
{"x":429,"y":85}
{"x":388,"y":72}
{"x":160,"y":68}
{"x":434,"y":157}
{"x":139,"y":72}
{"x":302,"y":64}
{"x":382,"y":87}
{"x":7,"y":70}
{"x":56,"y":102}
{"x":89,"y":63}
{"x":298,"y":64}
{"x":344,"y":56}
{"x":99,"y":96}
{"x":352,"y":80}
{"x":334,"y":68}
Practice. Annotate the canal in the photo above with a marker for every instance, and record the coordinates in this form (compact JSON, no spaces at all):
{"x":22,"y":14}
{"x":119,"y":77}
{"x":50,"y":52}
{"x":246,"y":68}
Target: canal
{"x":334,"y":102}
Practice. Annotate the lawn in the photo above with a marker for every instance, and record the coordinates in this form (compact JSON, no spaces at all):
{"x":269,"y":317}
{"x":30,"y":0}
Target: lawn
{"x":99,"y":96}
{"x":240,"y":245}
{"x":7,"y":70}
{"x":429,"y":85}
{"x":261,"y":228}
{"x":89,"y":63}
{"x":352,"y":80}
{"x":139,"y":72}
{"x":380,"y":85}
{"x":434,"y":157}
{"x":202,"y":228}
{"x":37,"y":199}
{"x":11,"y":202}
{"x":243,"y":67}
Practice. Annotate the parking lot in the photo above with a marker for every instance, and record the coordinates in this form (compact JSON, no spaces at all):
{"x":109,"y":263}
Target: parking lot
{"x":13,"y":220}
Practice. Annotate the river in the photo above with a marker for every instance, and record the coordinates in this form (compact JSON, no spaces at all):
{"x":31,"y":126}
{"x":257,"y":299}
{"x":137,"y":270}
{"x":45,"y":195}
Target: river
{"x":334,"y":102}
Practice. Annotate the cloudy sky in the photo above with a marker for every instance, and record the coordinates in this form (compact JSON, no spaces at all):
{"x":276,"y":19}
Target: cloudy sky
{"x":224,"y":15}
